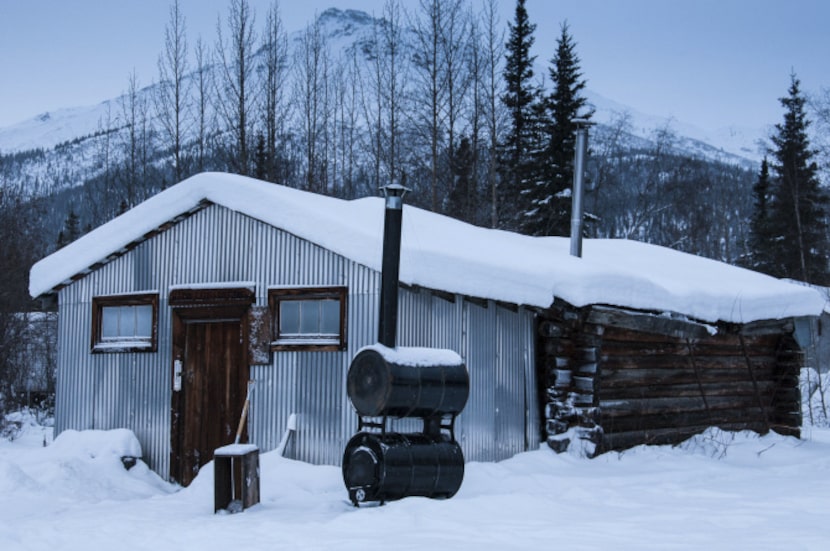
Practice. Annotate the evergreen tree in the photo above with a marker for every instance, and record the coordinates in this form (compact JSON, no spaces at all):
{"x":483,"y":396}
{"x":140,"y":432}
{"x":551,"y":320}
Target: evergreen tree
{"x":71,"y":229}
{"x":547,"y":204}
{"x":261,"y":160}
{"x":521,"y":100}
{"x":461,"y":201}
{"x":761,"y":251}
{"x":798,"y":207}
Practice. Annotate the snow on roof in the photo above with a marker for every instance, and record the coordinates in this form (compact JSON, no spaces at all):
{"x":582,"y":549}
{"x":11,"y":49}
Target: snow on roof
{"x":441,"y":253}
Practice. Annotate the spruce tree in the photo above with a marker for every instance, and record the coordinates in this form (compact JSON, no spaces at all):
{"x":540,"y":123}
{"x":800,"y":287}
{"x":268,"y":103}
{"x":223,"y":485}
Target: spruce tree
{"x":261,"y":161}
{"x":761,"y":255}
{"x":71,"y":229}
{"x":799,"y":205}
{"x":521,"y":99}
{"x":547,"y":198}
{"x":461,"y":201}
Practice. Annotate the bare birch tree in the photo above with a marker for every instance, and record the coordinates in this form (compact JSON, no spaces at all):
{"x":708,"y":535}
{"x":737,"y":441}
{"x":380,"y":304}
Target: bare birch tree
{"x":172,"y":94}
{"x":348,"y":102}
{"x":101,"y":191}
{"x":274,"y":110}
{"x":235,"y":98}
{"x":309,"y":98}
{"x":203,"y":82}
{"x":387,"y":82}
{"x":475,"y":67}
{"x":130,"y":117}
{"x":137,"y":146}
{"x":430,"y":87}
{"x":493,"y":55}
{"x":454,"y":39}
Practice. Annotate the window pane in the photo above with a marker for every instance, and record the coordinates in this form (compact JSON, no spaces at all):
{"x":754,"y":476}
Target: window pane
{"x":124,"y":323}
{"x":289,"y":317}
{"x":330,"y":317}
{"x":109,"y":322}
{"x":127,"y":319}
{"x":310,"y":317}
{"x":144,"y":321}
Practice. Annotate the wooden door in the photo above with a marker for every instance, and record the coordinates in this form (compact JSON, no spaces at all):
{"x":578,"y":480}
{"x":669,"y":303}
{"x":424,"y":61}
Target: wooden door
{"x":213,"y":387}
{"x":210,"y":344}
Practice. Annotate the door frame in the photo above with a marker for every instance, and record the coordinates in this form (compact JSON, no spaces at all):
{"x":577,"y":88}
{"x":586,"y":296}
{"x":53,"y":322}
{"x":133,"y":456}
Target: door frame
{"x":192,"y":306}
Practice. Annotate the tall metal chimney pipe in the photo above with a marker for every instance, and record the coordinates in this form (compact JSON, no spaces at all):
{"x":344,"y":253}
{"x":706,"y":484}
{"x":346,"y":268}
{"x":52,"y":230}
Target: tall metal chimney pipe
{"x":580,"y":152}
{"x":388,"y":312}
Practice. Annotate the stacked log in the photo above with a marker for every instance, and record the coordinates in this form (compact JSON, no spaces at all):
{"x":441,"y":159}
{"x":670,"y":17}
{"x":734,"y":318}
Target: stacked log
{"x":660,"y":390}
{"x":618,"y":379}
{"x":568,"y":375}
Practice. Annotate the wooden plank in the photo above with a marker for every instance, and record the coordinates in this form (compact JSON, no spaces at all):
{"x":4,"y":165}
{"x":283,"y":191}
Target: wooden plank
{"x":646,"y":323}
{"x":612,"y":349}
{"x":718,"y":388}
{"x":735,"y":415}
{"x":673,"y":362}
{"x":723,"y":363}
{"x":786,"y":418}
{"x":767,"y":327}
{"x":621,"y":335}
{"x":222,"y":297}
{"x":653,"y":406}
{"x":630,"y":377}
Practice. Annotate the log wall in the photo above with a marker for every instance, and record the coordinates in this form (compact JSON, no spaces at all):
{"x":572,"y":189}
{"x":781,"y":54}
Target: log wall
{"x":612,"y":379}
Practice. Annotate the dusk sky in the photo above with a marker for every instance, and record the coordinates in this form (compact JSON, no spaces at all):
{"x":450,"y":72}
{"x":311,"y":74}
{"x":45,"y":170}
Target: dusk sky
{"x":712,"y":63}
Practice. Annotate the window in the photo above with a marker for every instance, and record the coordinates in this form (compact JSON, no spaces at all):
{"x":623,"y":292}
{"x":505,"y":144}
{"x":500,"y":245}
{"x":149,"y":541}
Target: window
{"x":312,"y":318}
{"x":125,"y":323}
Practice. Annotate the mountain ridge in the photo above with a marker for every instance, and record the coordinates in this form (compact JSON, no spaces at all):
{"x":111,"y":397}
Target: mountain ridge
{"x":344,"y":30}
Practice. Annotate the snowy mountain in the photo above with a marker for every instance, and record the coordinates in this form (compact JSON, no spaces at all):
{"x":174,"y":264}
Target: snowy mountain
{"x":49,"y":129}
{"x":729,"y":143}
{"x":65,"y":147}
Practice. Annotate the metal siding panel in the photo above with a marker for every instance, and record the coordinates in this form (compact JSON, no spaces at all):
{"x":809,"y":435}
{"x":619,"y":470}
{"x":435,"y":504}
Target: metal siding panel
{"x":477,"y":421}
{"x":414,"y":317}
{"x":511,"y":403}
{"x":364,"y":285}
{"x":319,"y":398}
{"x":273,"y":402}
{"x":528,"y":336}
{"x":73,"y":409}
{"x":132,"y":390}
{"x":311,"y":384}
{"x":219,"y":245}
{"x":446,"y":328}
{"x":105,"y":391}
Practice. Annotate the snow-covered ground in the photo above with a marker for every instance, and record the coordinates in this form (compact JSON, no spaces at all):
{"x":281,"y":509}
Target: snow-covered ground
{"x":717,"y":491}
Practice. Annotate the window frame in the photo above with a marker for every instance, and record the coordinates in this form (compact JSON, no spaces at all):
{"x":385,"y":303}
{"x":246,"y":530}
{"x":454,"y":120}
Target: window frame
{"x":277,"y":295}
{"x":101,"y":345}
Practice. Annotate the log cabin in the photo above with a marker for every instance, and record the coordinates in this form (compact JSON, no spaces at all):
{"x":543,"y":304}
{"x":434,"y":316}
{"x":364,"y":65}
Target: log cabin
{"x":169,"y":310}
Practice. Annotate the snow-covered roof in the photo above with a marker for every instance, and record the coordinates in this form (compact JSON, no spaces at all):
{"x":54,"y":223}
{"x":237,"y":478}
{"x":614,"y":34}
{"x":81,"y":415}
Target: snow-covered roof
{"x":441,"y":253}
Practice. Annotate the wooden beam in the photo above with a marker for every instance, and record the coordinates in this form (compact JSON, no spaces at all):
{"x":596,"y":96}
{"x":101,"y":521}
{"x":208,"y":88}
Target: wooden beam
{"x":647,"y":323}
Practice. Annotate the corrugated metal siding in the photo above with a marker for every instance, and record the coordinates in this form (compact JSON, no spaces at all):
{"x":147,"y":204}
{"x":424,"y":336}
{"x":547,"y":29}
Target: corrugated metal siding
{"x":496,"y":344}
{"x":510,"y":386}
{"x":217,"y":245}
{"x":107,"y":391}
{"x":527,"y":330}
{"x":478,"y":420}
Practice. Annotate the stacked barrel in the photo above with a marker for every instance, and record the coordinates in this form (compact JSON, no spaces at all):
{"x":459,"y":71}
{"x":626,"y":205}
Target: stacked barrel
{"x":385,"y":383}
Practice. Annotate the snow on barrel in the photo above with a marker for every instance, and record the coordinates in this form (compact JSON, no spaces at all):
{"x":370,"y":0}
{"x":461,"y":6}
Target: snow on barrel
{"x":407,"y":382}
